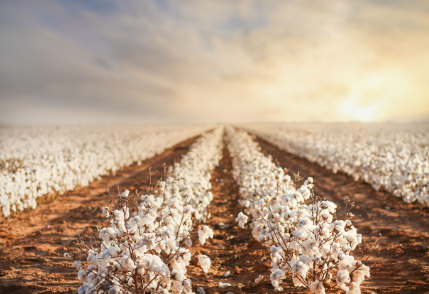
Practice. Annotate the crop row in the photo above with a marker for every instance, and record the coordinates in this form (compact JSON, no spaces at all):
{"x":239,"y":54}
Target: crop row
{"x":147,"y":250}
{"x":305,"y":240}
{"x":390,"y":157}
{"x":48,"y":160}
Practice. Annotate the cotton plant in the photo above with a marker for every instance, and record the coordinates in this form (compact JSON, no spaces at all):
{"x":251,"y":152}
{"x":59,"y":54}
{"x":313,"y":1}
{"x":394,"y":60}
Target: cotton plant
{"x":306,"y":241}
{"x":149,"y":249}
{"x":394,"y":158}
{"x":53,"y":160}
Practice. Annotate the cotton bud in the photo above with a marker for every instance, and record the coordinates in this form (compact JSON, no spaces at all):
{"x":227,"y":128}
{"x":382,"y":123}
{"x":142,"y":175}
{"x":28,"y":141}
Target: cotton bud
{"x":67,"y":255}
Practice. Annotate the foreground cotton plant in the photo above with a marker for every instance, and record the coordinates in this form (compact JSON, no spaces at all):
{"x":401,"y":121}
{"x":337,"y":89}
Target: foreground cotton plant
{"x":141,"y":252}
{"x":145,"y":250}
{"x":304,"y":239}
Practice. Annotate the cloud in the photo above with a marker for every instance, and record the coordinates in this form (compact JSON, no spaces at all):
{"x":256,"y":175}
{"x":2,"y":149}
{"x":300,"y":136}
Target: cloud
{"x":214,"y":60}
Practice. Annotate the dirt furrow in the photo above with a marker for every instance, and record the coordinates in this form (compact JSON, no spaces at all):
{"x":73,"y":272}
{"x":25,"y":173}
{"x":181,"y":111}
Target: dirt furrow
{"x":33,"y":243}
{"x":401,"y":263}
{"x":232,"y":248}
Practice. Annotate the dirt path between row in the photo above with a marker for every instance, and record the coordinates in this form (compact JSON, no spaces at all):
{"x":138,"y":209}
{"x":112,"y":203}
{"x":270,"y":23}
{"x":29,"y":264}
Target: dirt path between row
{"x":401,"y":263}
{"x":32,"y":244}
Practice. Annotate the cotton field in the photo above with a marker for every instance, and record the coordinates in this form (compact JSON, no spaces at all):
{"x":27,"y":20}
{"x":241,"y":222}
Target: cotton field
{"x":215,"y":209}
{"x":392,"y":157}
{"x":44,"y":160}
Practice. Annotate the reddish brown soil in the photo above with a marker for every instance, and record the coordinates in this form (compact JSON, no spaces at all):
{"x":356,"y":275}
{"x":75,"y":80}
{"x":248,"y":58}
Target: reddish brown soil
{"x":401,"y":263}
{"x":32,"y":244}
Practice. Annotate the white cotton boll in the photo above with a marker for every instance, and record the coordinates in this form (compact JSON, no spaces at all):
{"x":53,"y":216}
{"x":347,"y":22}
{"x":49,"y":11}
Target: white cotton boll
{"x":300,"y":234}
{"x":343,"y":278}
{"x":106,"y":211}
{"x":128,"y":263}
{"x":354,"y":288}
{"x":115,"y":290}
{"x":81,"y":275}
{"x":227,"y":274}
{"x":187,"y":286}
{"x":204,"y":262}
{"x":258,"y":279}
{"x":77,"y":264}
{"x":330,"y":206}
{"x":317,"y":288}
{"x":204,"y":232}
{"x":224,"y":285}
{"x":188,"y":209}
{"x":299,"y":272}
{"x":241,"y":219}
{"x":125,"y":193}
{"x":188,"y":242}
{"x":360,"y":274}
{"x":118,"y":214}
{"x":200,"y":290}
{"x":276,"y":277}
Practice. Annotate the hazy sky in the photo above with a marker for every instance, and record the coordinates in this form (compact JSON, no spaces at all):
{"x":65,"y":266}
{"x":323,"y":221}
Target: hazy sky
{"x":76,"y":61}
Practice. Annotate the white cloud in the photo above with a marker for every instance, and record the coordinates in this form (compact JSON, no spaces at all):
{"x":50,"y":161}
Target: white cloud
{"x":216,"y":60}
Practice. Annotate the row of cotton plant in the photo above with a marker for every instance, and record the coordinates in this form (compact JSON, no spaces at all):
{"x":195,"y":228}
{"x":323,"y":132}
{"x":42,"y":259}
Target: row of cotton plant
{"x":305,"y":240}
{"x":391,"y":157}
{"x":47,"y":160}
{"x":148,"y":250}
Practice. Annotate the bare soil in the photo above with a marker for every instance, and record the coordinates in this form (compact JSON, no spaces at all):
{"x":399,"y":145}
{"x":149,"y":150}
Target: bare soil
{"x":33,"y":243}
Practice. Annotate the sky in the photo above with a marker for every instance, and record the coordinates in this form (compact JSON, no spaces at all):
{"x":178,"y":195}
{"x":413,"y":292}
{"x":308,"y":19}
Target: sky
{"x":109,"y":61}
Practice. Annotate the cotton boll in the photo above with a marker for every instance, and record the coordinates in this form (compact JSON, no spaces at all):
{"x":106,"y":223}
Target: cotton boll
{"x":124,"y":194}
{"x":77,"y":264}
{"x":343,"y":278}
{"x":200,"y":290}
{"x":300,"y":234}
{"x":128,"y":263}
{"x":204,"y":262}
{"x":276,"y":277}
{"x":241,"y":219}
{"x":317,"y":288}
{"x":106,"y":211}
{"x":187,"y":286}
{"x":224,"y":285}
{"x":115,"y":290}
{"x":259,"y":279}
{"x":204,"y":232}
{"x":188,"y":242}
{"x":354,"y":288}
{"x":360,"y":274}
